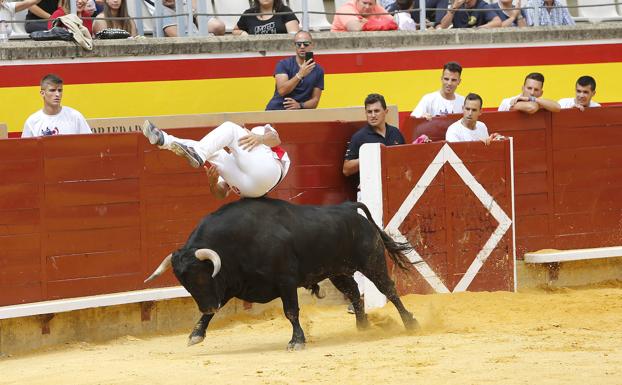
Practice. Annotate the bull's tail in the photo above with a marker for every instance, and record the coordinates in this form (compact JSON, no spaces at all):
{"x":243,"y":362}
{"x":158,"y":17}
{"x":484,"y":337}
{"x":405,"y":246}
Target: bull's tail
{"x":315,"y":290}
{"x":395,"y":250}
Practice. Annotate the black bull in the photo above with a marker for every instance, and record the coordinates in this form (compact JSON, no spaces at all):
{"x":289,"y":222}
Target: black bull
{"x":261,"y":249}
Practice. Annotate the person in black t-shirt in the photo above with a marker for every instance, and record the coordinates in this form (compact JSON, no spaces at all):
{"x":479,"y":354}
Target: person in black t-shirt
{"x":267,"y":22}
{"x":470,"y":14}
{"x":41,"y":13}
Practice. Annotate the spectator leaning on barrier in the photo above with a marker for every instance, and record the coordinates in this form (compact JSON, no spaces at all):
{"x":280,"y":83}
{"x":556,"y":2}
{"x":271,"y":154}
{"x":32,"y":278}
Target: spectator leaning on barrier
{"x":8,"y":10}
{"x":115,"y":8}
{"x":551,"y":12}
{"x":585,"y":89}
{"x":54,"y":119}
{"x":511,"y":15}
{"x":470,"y":14}
{"x":85,"y":13}
{"x":38,"y":15}
{"x":267,"y":22}
{"x":299,"y":82}
{"x":433,"y":17}
{"x":406,"y":19}
{"x":357,"y":13}
{"x":530,"y":100}
{"x":169,"y":23}
{"x":469,"y":129}
{"x":445,"y":101}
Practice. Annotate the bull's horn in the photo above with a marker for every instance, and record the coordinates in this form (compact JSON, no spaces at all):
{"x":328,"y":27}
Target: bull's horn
{"x":166,"y":263}
{"x":205,"y":254}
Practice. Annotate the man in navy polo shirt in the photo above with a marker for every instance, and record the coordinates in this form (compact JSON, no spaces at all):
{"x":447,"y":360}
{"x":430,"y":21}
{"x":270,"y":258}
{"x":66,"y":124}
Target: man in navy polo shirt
{"x":299,"y":82}
{"x":376,"y":131}
{"x":470,"y":14}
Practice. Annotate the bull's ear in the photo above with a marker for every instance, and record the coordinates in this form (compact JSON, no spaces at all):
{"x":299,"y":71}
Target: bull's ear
{"x":209,"y":254}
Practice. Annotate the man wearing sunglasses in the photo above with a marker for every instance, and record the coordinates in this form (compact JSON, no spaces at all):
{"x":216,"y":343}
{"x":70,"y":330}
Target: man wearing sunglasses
{"x":299,"y":79}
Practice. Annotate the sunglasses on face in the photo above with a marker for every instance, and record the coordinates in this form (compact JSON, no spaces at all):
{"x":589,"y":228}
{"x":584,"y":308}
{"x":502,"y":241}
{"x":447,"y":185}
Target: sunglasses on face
{"x":301,"y":44}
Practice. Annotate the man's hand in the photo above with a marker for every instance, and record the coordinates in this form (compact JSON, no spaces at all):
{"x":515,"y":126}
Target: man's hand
{"x":291,"y":104}
{"x":212,"y":176}
{"x":250,"y":141}
{"x":427,"y":116}
{"x":579,"y":106}
{"x":515,"y":12}
{"x":458,"y":3}
{"x":306,"y":68}
{"x":519,"y":99}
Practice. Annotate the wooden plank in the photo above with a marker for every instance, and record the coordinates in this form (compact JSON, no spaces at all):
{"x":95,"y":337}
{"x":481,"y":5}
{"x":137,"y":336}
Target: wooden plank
{"x":587,"y":222}
{"x":588,"y":159}
{"x":19,"y":266}
{"x":533,"y":183}
{"x":570,"y":179}
{"x":307,"y":154}
{"x":532,"y":225}
{"x":587,"y":136}
{"x":592,"y":117}
{"x":93,"y":216}
{"x":19,"y":196}
{"x":20,"y":150}
{"x":85,"y":168}
{"x":593,"y":239}
{"x":92,"y":192}
{"x":530,"y":161}
{"x":20,"y":171}
{"x":89,"y":265}
{"x":20,"y":293}
{"x":302,"y":177}
{"x":531,"y":204}
{"x":20,"y":221}
{"x":92,"y":240}
{"x":76,"y":146}
{"x":604,"y":198}
{"x":93,"y":286}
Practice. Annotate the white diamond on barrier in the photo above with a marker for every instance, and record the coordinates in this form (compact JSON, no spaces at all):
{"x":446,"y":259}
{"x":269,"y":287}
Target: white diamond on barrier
{"x":447,"y":155}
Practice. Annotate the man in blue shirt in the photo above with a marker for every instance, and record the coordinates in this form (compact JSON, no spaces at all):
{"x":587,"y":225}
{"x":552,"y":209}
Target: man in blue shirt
{"x":470,"y":14}
{"x":299,"y":82}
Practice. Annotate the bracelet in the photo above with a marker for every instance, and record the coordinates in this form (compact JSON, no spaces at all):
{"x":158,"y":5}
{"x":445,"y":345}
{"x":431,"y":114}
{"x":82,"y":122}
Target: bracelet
{"x":532,"y":99}
{"x":298,"y":76}
{"x":302,"y":105}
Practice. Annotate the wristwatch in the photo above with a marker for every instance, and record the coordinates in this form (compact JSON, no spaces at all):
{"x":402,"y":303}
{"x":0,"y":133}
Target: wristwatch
{"x":302,"y":105}
{"x":532,"y":99}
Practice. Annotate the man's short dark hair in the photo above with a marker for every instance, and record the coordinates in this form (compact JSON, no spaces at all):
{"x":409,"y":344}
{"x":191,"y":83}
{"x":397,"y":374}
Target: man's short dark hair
{"x":585,"y":81}
{"x":452,"y":66}
{"x":51,"y":79}
{"x":375,"y":98}
{"x":404,"y":4}
{"x":473,"y":96}
{"x":537,"y":76}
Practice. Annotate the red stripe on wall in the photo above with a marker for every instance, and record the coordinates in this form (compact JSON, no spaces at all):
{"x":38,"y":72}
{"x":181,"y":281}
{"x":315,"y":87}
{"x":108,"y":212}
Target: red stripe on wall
{"x":216,"y":68}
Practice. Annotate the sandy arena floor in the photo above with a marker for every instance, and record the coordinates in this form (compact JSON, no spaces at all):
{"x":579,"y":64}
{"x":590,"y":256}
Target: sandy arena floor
{"x":565,"y":336}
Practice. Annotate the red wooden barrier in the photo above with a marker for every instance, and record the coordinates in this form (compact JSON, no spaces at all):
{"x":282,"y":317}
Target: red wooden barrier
{"x":83,"y":215}
{"x":454,"y":206}
{"x":567,"y":174}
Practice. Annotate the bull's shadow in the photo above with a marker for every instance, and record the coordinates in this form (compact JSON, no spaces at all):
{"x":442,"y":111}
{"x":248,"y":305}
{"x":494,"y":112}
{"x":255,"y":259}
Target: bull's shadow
{"x":261,"y":249}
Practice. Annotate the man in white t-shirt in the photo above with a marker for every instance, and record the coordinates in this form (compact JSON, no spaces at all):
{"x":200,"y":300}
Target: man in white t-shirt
{"x":530,"y":100}
{"x":8,"y":9}
{"x":469,"y":129}
{"x":585,"y":89}
{"x":54,"y":119}
{"x":254,"y":165}
{"x":445,"y":101}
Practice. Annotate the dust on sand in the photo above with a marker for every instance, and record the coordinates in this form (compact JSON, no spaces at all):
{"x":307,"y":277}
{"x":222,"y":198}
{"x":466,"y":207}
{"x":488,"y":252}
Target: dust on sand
{"x":561,"y":336}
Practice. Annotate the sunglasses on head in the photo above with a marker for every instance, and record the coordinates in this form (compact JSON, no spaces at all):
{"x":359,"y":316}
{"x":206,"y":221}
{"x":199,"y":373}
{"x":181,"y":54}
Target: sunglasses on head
{"x":301,"y":44}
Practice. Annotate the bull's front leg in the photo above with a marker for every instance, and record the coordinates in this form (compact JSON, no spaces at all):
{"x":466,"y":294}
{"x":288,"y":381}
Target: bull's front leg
{"x":289,"y":297}
{"x":198,"y":332}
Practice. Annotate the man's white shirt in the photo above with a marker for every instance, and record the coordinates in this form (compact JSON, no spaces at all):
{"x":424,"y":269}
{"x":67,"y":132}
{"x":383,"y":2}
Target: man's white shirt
{"x":457,"y":132}
{"x":67,"y":121}
{"x":506,"y":103}
{"x":435,"y":104}
{"x":570,"y":103}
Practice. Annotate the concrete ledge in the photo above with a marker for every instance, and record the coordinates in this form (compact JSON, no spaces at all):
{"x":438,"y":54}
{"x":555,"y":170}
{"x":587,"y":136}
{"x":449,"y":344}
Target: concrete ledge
{"x":33,"y":50}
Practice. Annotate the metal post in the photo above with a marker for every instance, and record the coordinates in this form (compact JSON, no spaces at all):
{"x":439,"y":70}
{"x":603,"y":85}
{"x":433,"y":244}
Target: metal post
{"x":138,"y":6}
{"x":158,"y":21}
{"x":73,"y":8}
{"x":536,"y":13}
{"x":422,"y":5}
{"x":182,"y":23}
{"x":305,"y":15}
{"x":202,"y":20}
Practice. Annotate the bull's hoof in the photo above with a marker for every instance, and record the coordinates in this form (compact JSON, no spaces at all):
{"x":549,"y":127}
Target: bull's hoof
{"x":413,"y":326}
{"x":362,"y":324}
{"x":193,"y":340}
{"x":295,"y":346}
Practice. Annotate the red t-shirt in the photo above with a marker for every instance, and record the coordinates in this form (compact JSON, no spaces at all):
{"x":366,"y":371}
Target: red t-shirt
{"x":88,"y":23}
